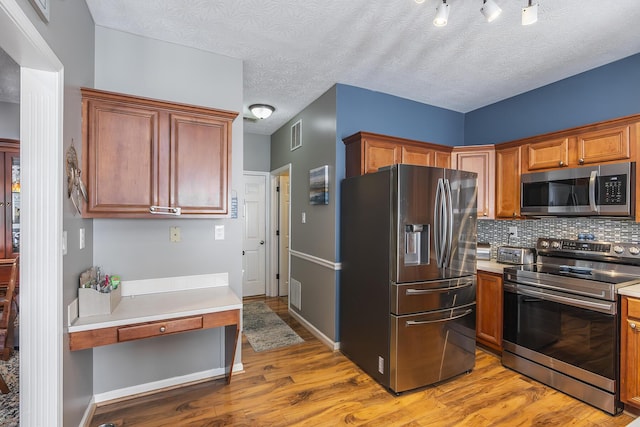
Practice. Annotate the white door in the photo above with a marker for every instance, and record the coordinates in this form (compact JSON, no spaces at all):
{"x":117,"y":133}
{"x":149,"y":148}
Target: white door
{"x":254,"y":258}
{"x":283,"y":227}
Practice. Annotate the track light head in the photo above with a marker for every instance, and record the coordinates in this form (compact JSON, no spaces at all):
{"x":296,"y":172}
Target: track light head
{"x":490,"y":10}
{"x":530,"y":14}
{"x":442,"y":14}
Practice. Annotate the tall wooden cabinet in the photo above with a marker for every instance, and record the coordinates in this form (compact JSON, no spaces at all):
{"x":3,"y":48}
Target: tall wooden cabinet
{"x":481,"y":160}
{"x":508,"y":182}
{"x":489,"y":307}
{"x":630,"y":352}
{"x":144,"y":158}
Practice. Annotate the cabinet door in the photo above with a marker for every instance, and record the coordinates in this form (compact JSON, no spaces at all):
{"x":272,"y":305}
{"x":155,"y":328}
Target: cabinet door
{"x":443,"y":159}
{"x":482,"y":163}
{"x":508,"y":182}
{"x":121,"y":152}
{"x":489,"y":310}
{"x":416,"y":155}
{"x":199,"y":169}
{"x":604,"y":145}
{"x":378,"y":154}
{"x":11,"y":204}
{"x":548,"y":154}
{"x":630,"y":352}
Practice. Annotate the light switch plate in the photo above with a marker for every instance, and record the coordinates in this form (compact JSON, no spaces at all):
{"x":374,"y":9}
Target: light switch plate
{"x":64,"y":242}
{"x":219,"y":232}
{"x":82,"y":238}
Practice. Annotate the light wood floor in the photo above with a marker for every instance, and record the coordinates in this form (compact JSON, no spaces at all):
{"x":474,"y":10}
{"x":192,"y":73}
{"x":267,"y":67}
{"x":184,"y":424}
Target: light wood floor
{"x":310,"y":385}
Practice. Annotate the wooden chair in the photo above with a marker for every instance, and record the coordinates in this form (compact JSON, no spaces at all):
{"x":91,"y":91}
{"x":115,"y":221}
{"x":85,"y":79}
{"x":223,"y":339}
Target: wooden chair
{"x":9,"y":312}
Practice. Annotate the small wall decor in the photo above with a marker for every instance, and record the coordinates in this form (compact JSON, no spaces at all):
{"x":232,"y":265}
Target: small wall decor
{"x":296,"y":135}
{"x":319,"y":185}
{"x":42,"y":7}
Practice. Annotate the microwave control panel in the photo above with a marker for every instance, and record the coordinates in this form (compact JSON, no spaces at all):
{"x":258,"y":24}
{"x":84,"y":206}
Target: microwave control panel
{"x":613,"y":190}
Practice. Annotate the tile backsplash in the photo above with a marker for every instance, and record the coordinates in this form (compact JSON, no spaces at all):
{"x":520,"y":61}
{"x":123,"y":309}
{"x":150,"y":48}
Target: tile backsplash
{"x":608,"y":230}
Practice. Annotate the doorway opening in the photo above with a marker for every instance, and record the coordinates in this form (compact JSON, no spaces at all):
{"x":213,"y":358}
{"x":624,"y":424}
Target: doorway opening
{"x":281,"y":229}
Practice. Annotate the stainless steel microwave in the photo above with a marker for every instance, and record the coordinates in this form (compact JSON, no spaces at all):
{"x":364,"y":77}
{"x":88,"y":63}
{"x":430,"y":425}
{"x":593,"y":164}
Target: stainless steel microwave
{"x":607,"y":190}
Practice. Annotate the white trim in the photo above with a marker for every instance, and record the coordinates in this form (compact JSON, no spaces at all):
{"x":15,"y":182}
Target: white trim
{"x":314,"y":259}
{"x":41,"y":126}
{"x":315,"y":331}
{"x":88,"y":413}
{"x":209,"y":374}
{"x":272,"y":283}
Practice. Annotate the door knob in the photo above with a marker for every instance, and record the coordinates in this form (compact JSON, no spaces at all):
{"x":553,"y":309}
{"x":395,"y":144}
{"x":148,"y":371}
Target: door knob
{"x":262,"y":242}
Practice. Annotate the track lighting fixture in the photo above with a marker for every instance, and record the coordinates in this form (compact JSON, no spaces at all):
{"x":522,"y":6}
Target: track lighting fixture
{"x":530,"y":13}
{"x":442,"y":14}
{"x":490,"y":10}
{"x":261,"y":111}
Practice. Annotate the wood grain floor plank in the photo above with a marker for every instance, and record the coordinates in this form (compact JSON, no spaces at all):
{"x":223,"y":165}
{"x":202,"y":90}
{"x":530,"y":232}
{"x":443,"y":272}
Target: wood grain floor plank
{"x":310,"y":385}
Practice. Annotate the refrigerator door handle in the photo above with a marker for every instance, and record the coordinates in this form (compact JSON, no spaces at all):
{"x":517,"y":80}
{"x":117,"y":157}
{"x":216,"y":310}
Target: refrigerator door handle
{"x":444,"y":319}
{"x":448,"y":246}
{"x":437,"y":219}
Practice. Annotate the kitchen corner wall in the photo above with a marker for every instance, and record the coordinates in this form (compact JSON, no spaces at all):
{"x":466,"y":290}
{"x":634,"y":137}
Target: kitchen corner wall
{"x":607,"y":230}
{"x":141,"y":249}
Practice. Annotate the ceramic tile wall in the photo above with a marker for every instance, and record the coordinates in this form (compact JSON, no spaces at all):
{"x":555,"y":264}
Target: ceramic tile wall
{"x":610,"y":230}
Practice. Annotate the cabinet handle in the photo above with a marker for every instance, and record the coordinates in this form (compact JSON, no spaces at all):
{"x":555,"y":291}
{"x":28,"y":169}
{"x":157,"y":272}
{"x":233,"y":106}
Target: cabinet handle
{"x":633,"y":326}
{"x":561,"y":163}
{"x":8,"y":204}
{"x":162,"y":329}
{"x":581,"y":161}
{"x":1,"y":203}
{"x":485,"y":214}
{"x":165,"y":210}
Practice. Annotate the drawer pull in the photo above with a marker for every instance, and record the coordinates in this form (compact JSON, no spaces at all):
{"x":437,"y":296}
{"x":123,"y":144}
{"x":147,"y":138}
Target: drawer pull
{"x":162,"y":329}
{"x":633,"y":326}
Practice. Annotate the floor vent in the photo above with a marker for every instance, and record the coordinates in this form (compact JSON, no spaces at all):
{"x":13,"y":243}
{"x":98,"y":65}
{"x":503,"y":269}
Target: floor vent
{"x":296,"y":294}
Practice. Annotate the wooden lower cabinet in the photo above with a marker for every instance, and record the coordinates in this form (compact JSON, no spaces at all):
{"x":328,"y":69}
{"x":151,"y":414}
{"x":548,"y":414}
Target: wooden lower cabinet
{"x":489,"y":310}
{"x":630,"y":352}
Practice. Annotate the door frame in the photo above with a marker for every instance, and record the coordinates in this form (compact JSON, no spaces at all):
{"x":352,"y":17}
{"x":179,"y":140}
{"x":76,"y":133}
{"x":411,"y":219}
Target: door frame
{"x":41,"y":137}
{"x":272,"y":282}
{"x":267,"y":219}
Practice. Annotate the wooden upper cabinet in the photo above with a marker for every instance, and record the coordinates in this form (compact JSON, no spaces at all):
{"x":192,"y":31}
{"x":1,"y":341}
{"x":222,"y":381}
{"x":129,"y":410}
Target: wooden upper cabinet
{"x":604,"y":145}
{"x":367,"y":152}
{"x":144,"y":157}
{"x":549,"y":154}
{"x":481,"y":160}
{"x":508,"y":182}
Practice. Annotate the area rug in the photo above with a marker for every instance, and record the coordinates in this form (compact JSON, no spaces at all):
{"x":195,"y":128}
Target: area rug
{"x":264,"y":329}
{"x":10,"y":403}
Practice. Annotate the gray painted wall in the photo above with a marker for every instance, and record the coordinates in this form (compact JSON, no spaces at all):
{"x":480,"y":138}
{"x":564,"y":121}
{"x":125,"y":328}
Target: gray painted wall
{"x":70,"y":34}
{"x":140,"y":249}
{"x":257,"y":152}
{"x":317,"y":236}
{"x":9,"y":120}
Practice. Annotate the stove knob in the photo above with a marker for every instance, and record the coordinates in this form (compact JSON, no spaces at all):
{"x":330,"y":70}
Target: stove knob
{"x":544,"y":244}
{"x":633,"y":250}
{"x":618,"y":249}
{"x":555,"y":245}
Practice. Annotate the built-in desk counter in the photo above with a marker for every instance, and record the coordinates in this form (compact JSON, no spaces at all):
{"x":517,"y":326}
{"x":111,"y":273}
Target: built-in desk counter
{"x":152,"y":308}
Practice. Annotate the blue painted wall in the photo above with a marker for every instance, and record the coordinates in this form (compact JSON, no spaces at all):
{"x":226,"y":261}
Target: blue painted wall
{"x":606,"y":92}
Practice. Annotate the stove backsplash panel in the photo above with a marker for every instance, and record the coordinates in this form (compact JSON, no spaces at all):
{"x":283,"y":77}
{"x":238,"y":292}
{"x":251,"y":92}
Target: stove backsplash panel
{"x":528,"y":230}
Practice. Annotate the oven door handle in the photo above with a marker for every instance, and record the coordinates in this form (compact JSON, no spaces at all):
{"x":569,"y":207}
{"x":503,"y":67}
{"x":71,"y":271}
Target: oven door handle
{"x":444,"y":319}
{"x":589,"y":305}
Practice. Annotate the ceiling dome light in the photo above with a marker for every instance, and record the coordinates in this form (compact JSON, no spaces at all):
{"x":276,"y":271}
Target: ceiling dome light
{"x":530,"y":14}
{"x":442,"y":14}
{"x":261,"y":111}
{"x":419,"y":1}
{"x":490,"y":10}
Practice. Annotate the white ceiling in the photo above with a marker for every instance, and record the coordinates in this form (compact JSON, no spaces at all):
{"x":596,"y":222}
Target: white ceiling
{"x":293,"y":51}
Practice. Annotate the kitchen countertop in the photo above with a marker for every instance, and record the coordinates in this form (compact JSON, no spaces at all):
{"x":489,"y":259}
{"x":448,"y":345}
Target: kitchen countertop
{"x":490,"y":266}
{"x":631,"y":291}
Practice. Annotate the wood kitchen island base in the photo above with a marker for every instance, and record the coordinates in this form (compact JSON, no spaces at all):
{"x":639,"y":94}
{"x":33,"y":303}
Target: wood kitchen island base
{"x":164,"y":312}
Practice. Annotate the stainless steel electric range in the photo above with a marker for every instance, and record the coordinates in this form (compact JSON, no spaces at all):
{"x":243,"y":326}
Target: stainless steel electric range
{"x":561,"y":317}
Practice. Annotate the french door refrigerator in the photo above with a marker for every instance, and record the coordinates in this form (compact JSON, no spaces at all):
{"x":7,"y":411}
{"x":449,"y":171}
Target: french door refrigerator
{"x":407,"y":281}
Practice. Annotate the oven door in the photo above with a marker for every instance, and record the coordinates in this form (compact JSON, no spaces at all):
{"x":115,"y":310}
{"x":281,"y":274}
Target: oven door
{"x":572,"y":334}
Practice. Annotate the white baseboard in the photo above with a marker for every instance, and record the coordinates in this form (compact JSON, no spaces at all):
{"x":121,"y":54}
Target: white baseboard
{"x":88,"y":413}
{"x":163,"y":384}
{"x":315,"y":331}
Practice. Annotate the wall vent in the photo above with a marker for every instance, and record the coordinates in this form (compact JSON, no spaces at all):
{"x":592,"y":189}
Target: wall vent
{"x":296,"y":135}
{"x":295,"y":296}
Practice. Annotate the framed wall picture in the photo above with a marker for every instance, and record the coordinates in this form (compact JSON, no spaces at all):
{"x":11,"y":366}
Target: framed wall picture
{"x":319,"y":185}
{"x":42,"y":7}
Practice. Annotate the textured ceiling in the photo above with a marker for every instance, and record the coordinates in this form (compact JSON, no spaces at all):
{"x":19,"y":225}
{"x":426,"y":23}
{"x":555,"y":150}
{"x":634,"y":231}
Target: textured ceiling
{"x":293,"y":51}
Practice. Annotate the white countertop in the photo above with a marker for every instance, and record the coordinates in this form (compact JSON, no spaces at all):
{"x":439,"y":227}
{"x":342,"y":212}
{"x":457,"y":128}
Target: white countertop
{"x":490,"y":266}
{"x":166,"y":304}
{"x":632,"y":291}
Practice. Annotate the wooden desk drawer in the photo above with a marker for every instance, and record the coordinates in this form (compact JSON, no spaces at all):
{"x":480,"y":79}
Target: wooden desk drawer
{"x":633,"y":308}
{"x":148,"y":330}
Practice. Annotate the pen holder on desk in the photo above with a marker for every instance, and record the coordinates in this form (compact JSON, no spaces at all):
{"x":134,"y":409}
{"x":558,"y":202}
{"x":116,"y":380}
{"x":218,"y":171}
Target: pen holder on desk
{"x":92,"y":302}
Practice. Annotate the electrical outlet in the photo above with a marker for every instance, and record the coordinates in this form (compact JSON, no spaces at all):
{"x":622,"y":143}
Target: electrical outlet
{"x":513,"y":231}
{"x":304,"y":217}
{"x":174,"y":234}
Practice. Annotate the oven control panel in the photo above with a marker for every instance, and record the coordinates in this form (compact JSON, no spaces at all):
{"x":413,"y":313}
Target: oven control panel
{"x":588,"y":248}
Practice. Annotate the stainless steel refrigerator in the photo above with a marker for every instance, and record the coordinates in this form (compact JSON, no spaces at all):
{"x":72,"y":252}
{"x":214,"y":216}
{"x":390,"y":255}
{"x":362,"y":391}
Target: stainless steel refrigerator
{"x":407,"y":282}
